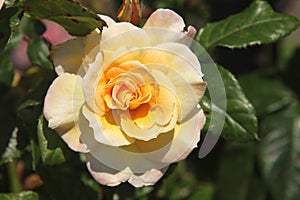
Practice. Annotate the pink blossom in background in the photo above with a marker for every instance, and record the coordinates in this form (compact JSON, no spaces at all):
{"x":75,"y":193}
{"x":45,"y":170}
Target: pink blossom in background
{"x":55,"y":34}
{"x":19,"y":55}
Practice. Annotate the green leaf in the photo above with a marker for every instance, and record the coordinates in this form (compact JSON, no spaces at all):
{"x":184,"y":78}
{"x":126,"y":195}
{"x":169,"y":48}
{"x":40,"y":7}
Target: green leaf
{"x":8,"y":21}
{"x":258,"y":24}
{"x":32,"y":28}
{"x":63,"y":182}
{"x":291,"y":72}
{"x":26,"y":195}
{"x":49,"y":156}
{"x":184,"y":187}
{"x":75,"y":18}
{"x":6,"y":74}
{"x":280,"y":153}
{"x":11,"y":152}
{"x":266,"y":92}
{"x":205,"y":192}
{"x":36,"y":154}
{"x":235,"y":171}
{"x":28,"y":103}
{"x":38,"y":53}
{"x":240,"y":120}
{"x":257,"y":188}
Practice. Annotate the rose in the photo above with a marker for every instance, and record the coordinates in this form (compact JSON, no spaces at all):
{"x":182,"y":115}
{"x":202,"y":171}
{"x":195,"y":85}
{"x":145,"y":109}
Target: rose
{"x":128,"y":98}
{"x":1,"y":3}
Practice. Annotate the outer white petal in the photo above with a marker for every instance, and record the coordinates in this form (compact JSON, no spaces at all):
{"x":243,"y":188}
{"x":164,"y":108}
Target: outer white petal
{"x":165,"y":18}
{"x":68,"y":56}
{"x":110,"y":177}
{"x":116,"y":29}
{"x":167,"y":26}
{"x":148,"y":178}
{"x":62,"y":106}
{"x":121,"y":35}
{"x":109,"y":21}
{"x":106,"y":175}
{"x":114,"y":157}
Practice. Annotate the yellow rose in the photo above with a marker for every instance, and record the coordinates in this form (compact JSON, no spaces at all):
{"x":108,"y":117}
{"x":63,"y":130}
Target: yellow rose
{"x":1,"y":3}
{"x":128,"y":98}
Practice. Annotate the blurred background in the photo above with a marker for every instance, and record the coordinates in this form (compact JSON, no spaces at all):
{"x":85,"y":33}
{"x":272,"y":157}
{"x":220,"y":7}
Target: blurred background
{"x":269,"y":75}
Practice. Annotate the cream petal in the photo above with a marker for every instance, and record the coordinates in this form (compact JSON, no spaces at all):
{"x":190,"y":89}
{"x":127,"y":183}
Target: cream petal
{"x":122,"y":35}
{"x":118,"y":29}
{"x":106,"y":131}
{"x":159,"y":117}
{"x":167,"y":91}
{"x":165,"y":18}
{"x":90,"y":83}
{"x":133,"y":130}
{"x":67,"y":57}
{"x":115,"y":157}
{"x":186,"y":137}
{"x":106,"y":175}
{"x":1,"y":3}
{"x":183,"y":60}
{"x":177,"y":145}
{"x":180,"y":66}
{"x":62,"y":105}
{"x":71,"y":136}
{"x":162,"y":35}
{"x":109,"y":21}
{"x":63,"y":100}
{"x":184,"y":71}
{"x":110,"y":177}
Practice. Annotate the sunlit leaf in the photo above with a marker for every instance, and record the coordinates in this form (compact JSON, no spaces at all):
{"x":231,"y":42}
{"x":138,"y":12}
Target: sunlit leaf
{"x":258,"y":24}
{"x":11,"y":152}
{"x":26,"y":195}
{"x":36,"y":154}
{"x":8,"y":22}
{"x":49,"y":156}
{"x":29,"y":103}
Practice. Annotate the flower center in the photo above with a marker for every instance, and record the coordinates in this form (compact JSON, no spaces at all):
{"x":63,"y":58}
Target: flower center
{"x":126,"y":86}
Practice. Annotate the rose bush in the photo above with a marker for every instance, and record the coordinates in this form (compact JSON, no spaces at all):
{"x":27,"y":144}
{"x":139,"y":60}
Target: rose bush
{"x":128,"y":98}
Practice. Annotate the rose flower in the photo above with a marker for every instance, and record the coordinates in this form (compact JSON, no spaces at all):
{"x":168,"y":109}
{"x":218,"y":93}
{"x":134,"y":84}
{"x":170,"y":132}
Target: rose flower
{"x":128,"y":98}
